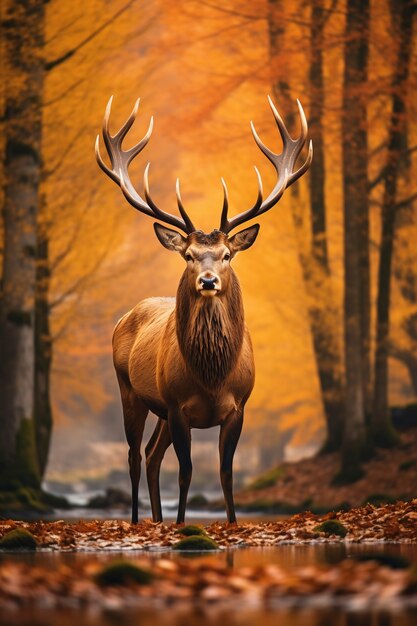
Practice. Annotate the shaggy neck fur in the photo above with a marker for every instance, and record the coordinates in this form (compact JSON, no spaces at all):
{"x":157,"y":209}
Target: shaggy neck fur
{"x":210,"y":331}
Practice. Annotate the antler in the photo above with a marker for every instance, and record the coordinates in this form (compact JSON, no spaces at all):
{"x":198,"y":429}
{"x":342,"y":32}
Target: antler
{"x":120,"y":161}
{"x":283,"y":163}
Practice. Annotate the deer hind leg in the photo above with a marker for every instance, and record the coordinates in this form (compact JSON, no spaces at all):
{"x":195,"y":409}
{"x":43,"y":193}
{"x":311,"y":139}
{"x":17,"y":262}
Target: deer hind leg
{"x":181,"y":438}
{"x":134,"y":413}
{"x":155,"y":451}
{"x":229,"y":437}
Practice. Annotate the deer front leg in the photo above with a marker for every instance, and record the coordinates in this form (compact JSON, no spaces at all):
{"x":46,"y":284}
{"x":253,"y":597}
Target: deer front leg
{"x":181,"y":438}
{"x":155,"y":451}
{"x":229,"y":437}
{"x":134,"y":414}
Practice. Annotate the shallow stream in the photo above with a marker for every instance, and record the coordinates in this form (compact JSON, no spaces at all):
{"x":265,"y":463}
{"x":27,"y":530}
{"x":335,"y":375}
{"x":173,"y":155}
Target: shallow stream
{"x":294,"y":613}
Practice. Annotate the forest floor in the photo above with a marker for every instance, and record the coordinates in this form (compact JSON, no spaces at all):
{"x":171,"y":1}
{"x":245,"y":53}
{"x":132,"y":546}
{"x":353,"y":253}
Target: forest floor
{"x":390,"y":475}
{"x":374,"y":578}
{"x":394,"y":523}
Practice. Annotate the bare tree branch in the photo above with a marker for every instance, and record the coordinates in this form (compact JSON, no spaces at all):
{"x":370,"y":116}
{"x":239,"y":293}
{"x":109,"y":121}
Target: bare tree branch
{"x":406,"y":201}
{"x":63,"y":29}
{"x":47,"y":173}
{"x":49,"y":65}
{"x":64,"y":93}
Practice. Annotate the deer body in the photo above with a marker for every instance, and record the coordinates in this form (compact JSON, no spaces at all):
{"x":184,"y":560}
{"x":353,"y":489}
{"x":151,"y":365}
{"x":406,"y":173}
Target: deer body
{"x":147,"y":354}
{"x":189,"y":360}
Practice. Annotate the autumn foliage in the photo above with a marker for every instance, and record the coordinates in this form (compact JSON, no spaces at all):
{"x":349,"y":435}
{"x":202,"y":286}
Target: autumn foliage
{"x":83,"y":257}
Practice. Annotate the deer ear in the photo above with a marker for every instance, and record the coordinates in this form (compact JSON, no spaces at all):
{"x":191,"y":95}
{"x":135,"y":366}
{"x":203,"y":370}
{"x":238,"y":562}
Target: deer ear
{"x":244,"y":239}
{"x":170,"y":239}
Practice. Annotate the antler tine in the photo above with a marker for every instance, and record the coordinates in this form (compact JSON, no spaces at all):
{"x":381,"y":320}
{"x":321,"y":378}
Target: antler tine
{"x":102,"y":164}
{"x":122,"y":132}
{"x":285,"y":135}
{"x":120,"y":160}
{"x":227,"y":225}
{"x":224,"y":222}
{"x":283,"y":163}
{"x":181,"y":208}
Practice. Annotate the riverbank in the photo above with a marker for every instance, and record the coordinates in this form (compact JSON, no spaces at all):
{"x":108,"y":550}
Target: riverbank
{"x":369,"y":524}
{"x":389,"y":475}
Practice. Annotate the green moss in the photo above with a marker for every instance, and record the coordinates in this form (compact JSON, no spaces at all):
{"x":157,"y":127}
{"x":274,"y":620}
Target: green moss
{"x":18,"y":539}
{"x":198,"y":543}
{"x":269,"y":479}
{"x":122,"y":573}
{"x":379,"y":499}
{"x":190,"y":530}
{"x":332,"y":527}
{"x":394,"y":561}
{"x":32,"y":499}
{"x":198,"y":500}
{"x":406,"y":465}
{"x":24,"y":499}
{"x":26,"y":462}
{"x":57,"y":502}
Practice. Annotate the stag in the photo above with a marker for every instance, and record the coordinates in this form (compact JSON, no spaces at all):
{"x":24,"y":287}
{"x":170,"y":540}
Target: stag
{"x":189,"y":359}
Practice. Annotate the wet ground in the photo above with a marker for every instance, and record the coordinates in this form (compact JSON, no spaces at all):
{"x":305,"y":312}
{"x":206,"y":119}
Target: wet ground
{"x":284,"y":613}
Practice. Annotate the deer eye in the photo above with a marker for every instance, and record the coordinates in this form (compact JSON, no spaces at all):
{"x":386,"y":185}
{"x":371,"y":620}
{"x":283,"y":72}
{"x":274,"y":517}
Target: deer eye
{"x":226,"y":257}
{"x":188,"y":257}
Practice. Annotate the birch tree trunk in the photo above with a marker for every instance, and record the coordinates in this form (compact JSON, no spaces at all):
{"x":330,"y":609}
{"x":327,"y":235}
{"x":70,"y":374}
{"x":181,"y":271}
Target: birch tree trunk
{"x":23,"y":33}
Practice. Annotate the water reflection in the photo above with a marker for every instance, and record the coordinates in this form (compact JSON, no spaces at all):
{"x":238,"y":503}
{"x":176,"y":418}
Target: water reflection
{"x":212,"y":617}
{"x":286,"y":556}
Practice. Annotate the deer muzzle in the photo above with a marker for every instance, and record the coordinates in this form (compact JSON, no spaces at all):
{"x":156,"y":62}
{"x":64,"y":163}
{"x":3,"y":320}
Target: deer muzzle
{"x":208,"y":284}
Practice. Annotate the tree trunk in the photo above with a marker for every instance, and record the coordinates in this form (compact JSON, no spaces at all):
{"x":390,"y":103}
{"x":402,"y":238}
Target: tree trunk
{"x":411,"y":364}
{"x":43,"y":353}
{"x":354,"y":144}
{"x":314,"y":264}
{"x":323,"y":313}
{"x":22,"y":26}
{"x":382,"y":429}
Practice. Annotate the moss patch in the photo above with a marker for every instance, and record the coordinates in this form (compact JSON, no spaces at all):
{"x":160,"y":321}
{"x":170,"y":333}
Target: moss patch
{"x":197,"y":543}
{"x":394,"y":561}
{"x":190,"y":530}
{"x":18,"y":539}
{"x":123,"y":573}
{"x":379,"y":499}
{"x":406,"y":465}
{"x":198,"y":500}
{"x":332,"y":527}
{"x":58,"y":502}
{"x":27,"y":469}
{"x":29,"y":500}
{"x":269,"y":479}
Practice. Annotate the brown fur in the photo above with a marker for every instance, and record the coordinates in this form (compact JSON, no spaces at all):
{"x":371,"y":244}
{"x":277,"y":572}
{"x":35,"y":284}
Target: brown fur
{"x":190,"y":362}
{"x":210,"y":332}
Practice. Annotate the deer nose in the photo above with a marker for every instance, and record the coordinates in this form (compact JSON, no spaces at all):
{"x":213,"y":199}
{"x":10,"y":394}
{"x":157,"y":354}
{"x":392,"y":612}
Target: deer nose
{"x":208,"y":283}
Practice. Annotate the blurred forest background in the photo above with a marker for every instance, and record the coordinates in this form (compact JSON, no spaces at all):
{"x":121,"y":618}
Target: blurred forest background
{"x":330,"y":288}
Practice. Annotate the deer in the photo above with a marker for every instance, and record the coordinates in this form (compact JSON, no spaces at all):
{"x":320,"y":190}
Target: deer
{"x":189,"y":360}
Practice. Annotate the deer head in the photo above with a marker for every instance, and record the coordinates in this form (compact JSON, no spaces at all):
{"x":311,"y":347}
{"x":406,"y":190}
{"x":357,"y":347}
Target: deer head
{"x":208,"y":256}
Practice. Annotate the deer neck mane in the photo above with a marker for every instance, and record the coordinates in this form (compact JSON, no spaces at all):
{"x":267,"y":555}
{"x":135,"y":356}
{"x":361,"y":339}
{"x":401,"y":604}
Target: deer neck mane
{"x":210,"y":331}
